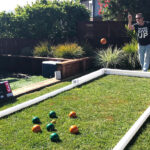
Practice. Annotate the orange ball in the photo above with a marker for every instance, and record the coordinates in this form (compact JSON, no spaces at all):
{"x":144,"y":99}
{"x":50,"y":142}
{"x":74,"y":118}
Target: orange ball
{"x":103,"y":41}
{"x":72,"y":114}
{"x":36,"y":128}
{"x":73,"y":129}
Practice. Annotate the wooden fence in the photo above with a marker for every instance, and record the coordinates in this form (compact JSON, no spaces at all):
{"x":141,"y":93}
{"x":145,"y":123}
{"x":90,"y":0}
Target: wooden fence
{"x":14,"y":45}
{"x":93,"y":31}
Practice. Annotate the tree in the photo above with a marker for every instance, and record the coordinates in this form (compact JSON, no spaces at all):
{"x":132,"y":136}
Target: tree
{"x":45,"y":2}
{"x":44,"y":20}
{"x":119,"y":9}
{"x":6,"y":25}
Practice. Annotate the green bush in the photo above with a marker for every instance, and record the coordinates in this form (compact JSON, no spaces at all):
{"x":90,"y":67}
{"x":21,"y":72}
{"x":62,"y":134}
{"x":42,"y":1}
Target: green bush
{"x":131,"y":33}
{"x":43,"y":49}
{"x":131,"y":51}
{"x":53,"y":20}
{"x":131,"y":47}
{"x":108,"y":57}
{"x":68,"y":50}
{"x":88,"y":49}
{"x":74,"y":12}
{"x":131,"y":54}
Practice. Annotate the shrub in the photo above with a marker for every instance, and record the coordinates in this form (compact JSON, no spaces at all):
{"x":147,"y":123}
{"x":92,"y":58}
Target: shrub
{"x":88,"y":49}
{"x":108,"y":57}
{"x":131,"y":47}
{"x":131,"y":33}
{"x":131,"y":50}
{"x":68,"y":50}
{"x":53,"y":20}
{"x":74,"y":12}
{"x":43,"y":49}
{"x":131,"y":54}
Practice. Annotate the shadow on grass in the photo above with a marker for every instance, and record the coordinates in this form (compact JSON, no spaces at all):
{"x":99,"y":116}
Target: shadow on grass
{"x":132,"y":142}
{"x":58,"y":141}
{"x":10,"y":80}
{"x":55,"y":130}
{"x":7,"y":101}
{"x":16,"y":76}
{"x":79,"y":133}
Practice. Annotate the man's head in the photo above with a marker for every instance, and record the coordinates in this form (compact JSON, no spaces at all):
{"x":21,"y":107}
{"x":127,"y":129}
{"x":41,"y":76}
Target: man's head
{"x":139,"y":18}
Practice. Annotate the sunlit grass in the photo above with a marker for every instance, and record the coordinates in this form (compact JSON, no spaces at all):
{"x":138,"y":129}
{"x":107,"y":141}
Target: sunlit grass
{"x":20,"y":80}
{"x":106,"y":109}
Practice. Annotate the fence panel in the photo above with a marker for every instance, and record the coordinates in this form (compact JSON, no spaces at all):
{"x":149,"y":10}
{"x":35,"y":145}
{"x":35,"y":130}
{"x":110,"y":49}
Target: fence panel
{"x":14,"y":46}
{"x":93,"y":31}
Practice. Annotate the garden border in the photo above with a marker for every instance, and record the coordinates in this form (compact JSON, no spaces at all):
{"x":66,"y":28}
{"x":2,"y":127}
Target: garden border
{"x":33,"y":65}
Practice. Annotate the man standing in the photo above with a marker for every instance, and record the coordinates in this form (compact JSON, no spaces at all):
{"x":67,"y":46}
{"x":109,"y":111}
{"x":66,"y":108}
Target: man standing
{"x":142,"y":29}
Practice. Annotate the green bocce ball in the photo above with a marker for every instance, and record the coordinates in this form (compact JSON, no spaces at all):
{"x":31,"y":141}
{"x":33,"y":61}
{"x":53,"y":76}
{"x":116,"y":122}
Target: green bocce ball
{"x":50,"y":127}
{"x":52,"y":114}
{"x":36,"y":120}
{"x":54,"y":137}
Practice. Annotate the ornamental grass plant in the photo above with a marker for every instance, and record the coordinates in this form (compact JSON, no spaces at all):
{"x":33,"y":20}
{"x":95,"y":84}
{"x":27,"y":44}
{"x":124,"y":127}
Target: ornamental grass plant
{"x":108,"y":58}
{"x":43,"y":49}
{"x":68,"y":50}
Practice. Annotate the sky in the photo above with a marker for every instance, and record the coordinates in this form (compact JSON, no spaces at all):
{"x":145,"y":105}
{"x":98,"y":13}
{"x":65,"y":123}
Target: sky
{"x":10,"y":5}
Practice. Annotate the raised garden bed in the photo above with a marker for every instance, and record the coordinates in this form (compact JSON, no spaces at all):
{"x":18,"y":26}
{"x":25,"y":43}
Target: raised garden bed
{"x":33,"y":65}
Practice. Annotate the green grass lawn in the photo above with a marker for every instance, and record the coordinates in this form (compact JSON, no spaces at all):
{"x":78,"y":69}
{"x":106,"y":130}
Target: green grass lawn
{"x":106,"y":109}
{"x":18,"y":100}
{"x":19,"y":80}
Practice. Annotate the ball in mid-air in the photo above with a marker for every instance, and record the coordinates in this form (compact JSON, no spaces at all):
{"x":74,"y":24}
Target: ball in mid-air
{"x":103,"y":41}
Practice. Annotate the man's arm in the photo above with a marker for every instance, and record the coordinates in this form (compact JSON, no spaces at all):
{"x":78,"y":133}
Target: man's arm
{"x":130,"y":26}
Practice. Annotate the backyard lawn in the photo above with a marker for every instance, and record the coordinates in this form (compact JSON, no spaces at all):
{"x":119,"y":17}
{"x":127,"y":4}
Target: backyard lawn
{"x":18,"y":80}
{"x":106,"y":108}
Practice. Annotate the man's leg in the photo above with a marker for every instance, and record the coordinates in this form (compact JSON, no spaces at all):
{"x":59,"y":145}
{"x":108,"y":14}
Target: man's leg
{"x":141,"y":51}
{"x":146,"y":58}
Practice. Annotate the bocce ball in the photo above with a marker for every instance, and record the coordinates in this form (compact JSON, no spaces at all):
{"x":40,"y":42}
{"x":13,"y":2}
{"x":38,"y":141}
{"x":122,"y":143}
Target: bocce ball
{"x":53,"y":121}
{"x":36,"y":128}
{"x":72,"y":114}
{"x":50,"y":127}
{"x":74,"y":129}
{"x":103,"y":41}
{"x":36,"y":120}
{"x":54,"y":137}
{"x":52,"y":114}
